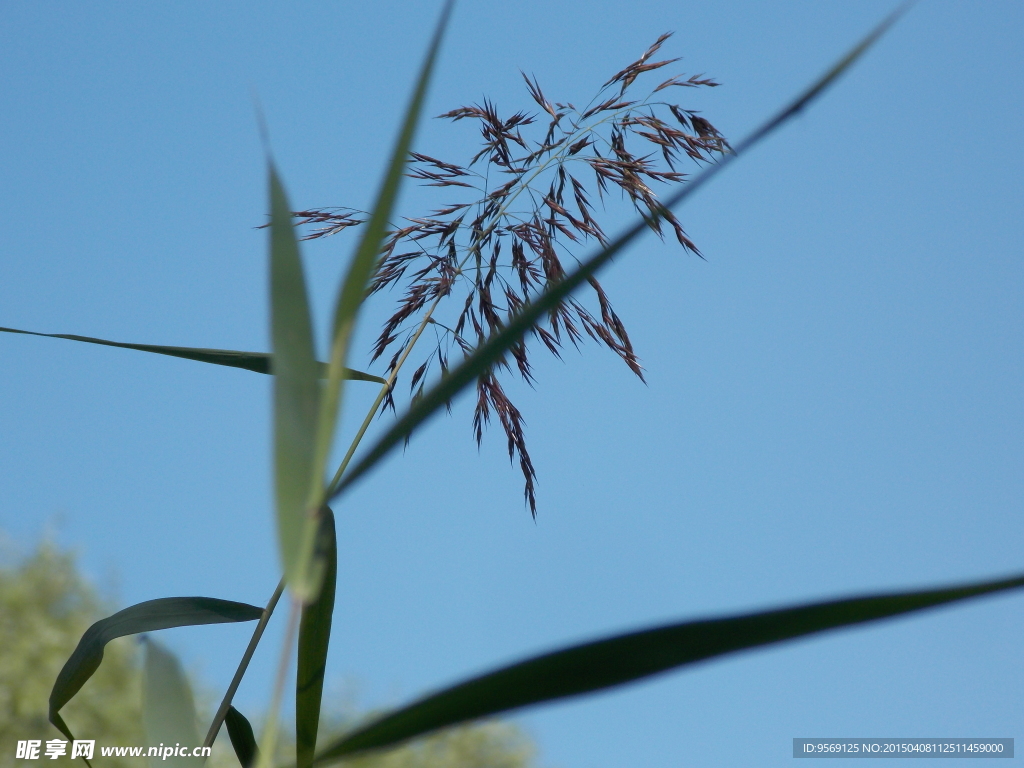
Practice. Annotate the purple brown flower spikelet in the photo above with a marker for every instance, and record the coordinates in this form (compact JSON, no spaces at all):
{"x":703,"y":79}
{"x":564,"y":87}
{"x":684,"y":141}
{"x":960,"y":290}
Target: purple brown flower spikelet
{"x":509,"y":243}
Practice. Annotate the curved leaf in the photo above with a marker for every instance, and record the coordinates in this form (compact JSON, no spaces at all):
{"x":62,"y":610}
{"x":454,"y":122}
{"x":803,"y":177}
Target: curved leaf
{"x":243,"y":740}
{"x":259,"y":362}
{"x":149,"y":616}
{"x":168,"y":709}
{"x":613,"y":661}
{"x":487,"y":354}
{"x":314,"y":640}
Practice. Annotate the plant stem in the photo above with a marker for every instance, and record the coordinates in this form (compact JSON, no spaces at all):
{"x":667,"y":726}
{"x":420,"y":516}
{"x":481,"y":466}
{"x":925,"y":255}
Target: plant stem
{"x":257,"y":635}
{"x":332,"y":486}
{"x":243,"y":665}
{"x":268,"y":743}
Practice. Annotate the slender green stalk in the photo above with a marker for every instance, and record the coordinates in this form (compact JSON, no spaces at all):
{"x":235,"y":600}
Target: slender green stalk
{"x":243,"y":665}
{"x":389,"y":382}
{"x":268,"y":744}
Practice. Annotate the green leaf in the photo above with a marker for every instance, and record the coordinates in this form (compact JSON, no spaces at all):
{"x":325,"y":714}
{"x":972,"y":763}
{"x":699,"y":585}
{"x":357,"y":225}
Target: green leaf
{"x":490,"y":352}
{"x":259,"y":362}
{"x":613,"y":661}
{"x":364,"y":263}
{"x":243,"y":740}
{"x":296,"y":401}
{"x":314,"y":640}
{"x":168,"y":710}
{"x":149,"y":616}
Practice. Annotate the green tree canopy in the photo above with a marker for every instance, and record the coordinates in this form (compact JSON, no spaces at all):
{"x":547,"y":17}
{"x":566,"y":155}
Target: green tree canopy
{"x":45,"y":606}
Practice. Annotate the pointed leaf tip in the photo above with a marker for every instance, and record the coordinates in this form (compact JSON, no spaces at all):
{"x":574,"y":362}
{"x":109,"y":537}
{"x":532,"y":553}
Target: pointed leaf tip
{"x":258,"y":362}
{"x":364,"y":263}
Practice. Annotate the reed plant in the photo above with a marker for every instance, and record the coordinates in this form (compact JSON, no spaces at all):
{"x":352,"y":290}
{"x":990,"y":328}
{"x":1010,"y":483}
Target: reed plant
{"x":493,"y":276}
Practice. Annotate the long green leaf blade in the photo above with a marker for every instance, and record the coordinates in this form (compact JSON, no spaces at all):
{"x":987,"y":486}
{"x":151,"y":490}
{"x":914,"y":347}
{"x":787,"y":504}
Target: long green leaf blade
{"x":613,"y":661}
{"x":499,"y":343}
{"x":243,"y":740}
{"x":364,"y":263}
{"x":149,"y":616}
{"x":258,"y":362}
{"x":296,"y":398}
{"x":314,"y":641}
{"x":168,"y":709}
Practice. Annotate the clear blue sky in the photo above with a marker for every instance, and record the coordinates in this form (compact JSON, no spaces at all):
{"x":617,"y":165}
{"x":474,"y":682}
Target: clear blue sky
{"x":834,"y":402}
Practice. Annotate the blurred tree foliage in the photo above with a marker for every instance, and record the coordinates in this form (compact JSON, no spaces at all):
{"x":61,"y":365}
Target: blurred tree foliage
{"x":46,"y":605}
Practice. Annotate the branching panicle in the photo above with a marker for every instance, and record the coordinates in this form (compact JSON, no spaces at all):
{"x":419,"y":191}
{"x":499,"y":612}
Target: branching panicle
{"x":508,"y":245}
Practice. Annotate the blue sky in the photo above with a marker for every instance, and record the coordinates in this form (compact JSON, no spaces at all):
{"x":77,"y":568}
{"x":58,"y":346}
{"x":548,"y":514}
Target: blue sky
{"x":833,"y":402}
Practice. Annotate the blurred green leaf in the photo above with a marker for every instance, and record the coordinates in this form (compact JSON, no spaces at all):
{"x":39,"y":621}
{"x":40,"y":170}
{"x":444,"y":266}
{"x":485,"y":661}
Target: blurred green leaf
{"x":149,"y":616}
{"x":296,"y":401}
{"x":168,"y":709}
{"x":314,"y":640}
{"x":613,"y":661}
{"x":243,"y":740}
{"x":364,"y":263}
{"x":489,"y":353}
{"x":258,"y":362}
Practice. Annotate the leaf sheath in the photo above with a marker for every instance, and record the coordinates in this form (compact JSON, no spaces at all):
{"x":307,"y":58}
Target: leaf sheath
{"x":314,"y":641}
